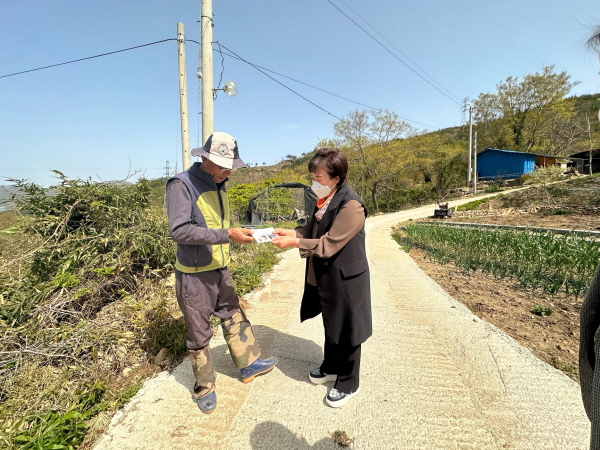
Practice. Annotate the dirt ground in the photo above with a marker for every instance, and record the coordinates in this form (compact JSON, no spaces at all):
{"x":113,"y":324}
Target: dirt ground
{"x":568,"y":222}
{"x":554,"y":338}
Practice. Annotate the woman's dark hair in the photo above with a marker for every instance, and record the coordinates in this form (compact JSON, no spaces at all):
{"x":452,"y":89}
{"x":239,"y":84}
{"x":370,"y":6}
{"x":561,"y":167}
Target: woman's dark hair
{"x":332,"y":161}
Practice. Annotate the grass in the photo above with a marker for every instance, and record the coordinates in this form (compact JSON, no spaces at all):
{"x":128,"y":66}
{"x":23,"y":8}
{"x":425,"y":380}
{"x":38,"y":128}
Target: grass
{"x":475,"y":204}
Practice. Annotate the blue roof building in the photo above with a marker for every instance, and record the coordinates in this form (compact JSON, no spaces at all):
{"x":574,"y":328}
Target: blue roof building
{"x":493,"y":163}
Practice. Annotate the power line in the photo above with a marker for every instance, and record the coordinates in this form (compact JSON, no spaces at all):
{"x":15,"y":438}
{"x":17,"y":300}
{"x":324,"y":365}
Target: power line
{"x":299,"y":95}
{"x":400,"y":51}
{"x":395,"y":56}
{"x":306,"y":84}
{"x":327,"y":92}
{"x":89,"y":57}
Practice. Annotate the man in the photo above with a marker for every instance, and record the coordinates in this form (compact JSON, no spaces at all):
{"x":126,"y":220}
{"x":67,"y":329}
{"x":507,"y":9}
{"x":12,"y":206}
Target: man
{"x":199,"y":216}
{"x":589,"y":344}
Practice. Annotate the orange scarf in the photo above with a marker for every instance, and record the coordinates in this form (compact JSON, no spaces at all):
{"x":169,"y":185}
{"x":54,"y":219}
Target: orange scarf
{"x":322,"y":204}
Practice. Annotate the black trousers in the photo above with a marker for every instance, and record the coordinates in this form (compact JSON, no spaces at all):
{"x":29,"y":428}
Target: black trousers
{"x":343,"y":361}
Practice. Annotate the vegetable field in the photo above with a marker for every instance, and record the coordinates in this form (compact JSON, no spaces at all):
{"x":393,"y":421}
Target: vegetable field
{"x":538,"y":260}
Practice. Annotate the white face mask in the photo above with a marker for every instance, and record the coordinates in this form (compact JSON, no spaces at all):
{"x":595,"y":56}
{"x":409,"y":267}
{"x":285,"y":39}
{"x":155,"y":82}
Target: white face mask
{"x":320,"y":190}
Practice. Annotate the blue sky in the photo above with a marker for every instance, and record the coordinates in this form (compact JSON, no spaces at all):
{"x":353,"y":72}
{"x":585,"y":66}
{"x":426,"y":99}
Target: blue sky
{"x":101,"y":117}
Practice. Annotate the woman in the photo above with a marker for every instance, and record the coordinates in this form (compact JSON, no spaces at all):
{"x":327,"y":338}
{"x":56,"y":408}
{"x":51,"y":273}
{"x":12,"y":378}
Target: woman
{"x":337,"y":273}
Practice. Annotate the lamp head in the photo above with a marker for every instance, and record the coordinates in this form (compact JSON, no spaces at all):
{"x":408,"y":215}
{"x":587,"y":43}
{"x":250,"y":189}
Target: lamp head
{"x":230,"y":88}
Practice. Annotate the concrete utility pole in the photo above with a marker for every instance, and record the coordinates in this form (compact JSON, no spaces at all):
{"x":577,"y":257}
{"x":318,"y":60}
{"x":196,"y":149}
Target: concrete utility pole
{"x":475,"y":165}
{"x":186,"y":159}
{"x":206,"y":25}
{"x":470,"y":145}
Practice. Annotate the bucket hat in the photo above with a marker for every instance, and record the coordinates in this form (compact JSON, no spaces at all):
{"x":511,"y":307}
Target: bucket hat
{"x":222,"y":149}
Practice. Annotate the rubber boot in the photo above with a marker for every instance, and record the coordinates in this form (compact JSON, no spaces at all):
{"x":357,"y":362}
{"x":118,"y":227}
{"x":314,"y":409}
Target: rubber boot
{"x":203,"y":371}
{"x":239,"y":336}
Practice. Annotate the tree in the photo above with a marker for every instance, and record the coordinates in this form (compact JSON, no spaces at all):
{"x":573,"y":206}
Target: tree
{"x":366,"y":136}
{"x":594,"y":40}
{"x":519,"y":116}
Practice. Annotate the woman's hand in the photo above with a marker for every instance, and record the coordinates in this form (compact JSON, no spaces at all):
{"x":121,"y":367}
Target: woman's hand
{"x":286,"y":242}
{"x":284,"y":232}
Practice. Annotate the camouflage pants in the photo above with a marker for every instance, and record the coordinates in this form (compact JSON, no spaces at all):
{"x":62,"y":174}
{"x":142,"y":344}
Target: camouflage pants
{"x":199,"y":296}
{"x":242,"y":347}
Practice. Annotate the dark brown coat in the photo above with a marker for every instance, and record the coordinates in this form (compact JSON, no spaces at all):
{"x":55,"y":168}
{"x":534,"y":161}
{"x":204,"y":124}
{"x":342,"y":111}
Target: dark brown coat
{"x":589,"y":352}
{"x":343,"y":292}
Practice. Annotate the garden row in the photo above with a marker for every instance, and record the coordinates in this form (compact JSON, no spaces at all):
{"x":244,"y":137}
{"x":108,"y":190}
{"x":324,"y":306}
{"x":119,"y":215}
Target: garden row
{"x":537,"y":260}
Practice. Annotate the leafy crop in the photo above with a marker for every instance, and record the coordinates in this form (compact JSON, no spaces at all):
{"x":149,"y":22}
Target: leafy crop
{"x":544,"y":261}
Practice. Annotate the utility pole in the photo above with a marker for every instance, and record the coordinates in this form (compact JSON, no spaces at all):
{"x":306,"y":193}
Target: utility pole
{"x":206,"y":24}
{"x":186,"y":159}
{"x":470,"y":145}
{"x":475,"y":165}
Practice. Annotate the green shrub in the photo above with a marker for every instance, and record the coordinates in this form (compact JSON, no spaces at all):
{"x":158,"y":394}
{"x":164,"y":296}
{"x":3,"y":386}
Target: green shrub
{"x":494,"y":187}
{"x":86,"y":300}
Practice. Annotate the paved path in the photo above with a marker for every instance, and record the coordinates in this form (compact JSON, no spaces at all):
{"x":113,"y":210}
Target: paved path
{"x":434,"y":376}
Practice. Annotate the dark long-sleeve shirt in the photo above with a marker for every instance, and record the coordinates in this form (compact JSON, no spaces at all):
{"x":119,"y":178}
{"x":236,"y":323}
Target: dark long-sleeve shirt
{"x":180,"y":226}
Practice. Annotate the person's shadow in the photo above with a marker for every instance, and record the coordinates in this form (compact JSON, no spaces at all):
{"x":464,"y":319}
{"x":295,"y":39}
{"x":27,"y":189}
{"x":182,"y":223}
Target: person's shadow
{"x":297,"y":356}
{"x":272,"y":435}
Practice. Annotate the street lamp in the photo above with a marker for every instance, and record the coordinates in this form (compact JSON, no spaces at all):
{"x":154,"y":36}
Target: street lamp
{"x":230,"y":88}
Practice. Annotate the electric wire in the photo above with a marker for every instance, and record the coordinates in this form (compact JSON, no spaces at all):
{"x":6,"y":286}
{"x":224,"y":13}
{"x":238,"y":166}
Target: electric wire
{"x":89,"y":57}
{"x":400,"y":51}
{"x":299,"y":95}
{"x":330,"y":93}
{"x":309,"y":85}
{"x":394,"y":55}
{"x":221,"y":76}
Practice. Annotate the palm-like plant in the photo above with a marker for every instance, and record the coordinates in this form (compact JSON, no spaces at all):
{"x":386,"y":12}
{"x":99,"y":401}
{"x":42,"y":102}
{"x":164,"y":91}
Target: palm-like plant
{"x":593,"y":41}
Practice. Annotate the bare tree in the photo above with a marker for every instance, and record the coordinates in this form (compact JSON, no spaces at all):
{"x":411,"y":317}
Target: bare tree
{"x":366,"y":136}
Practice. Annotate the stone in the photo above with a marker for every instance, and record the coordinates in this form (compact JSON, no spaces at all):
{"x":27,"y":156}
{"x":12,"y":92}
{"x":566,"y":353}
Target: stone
{"x":160,"y":357}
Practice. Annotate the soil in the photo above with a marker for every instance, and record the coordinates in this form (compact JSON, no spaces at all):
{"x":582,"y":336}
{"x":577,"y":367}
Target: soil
{"x":553,"y":338}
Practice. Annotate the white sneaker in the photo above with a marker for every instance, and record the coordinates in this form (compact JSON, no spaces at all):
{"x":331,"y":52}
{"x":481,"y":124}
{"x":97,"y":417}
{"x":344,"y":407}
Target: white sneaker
{"x":317,"y":377}
{"x":336,"y":398}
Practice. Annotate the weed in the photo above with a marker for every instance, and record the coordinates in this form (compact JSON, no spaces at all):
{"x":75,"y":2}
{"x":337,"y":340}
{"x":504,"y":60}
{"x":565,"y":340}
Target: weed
{"x":569,"y":370}
{"x":475,"y":204}
{"x":494,"y":187}
{"x":542,"y":310}
{"x":562,"y":212}
{"x":52,"y":430}
{"x":341,"y":439}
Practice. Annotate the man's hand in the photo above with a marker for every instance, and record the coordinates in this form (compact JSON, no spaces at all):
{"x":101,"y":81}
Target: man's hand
{"x":286,"y":242}
{"x":284,"y":232}
{"x":240,"y":235}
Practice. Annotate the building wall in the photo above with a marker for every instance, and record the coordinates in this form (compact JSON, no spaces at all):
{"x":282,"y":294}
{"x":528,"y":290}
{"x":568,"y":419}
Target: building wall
{"x":497,"y":164}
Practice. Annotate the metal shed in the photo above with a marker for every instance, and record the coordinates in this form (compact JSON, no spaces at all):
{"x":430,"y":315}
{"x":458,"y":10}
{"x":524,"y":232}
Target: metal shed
{"x":260,"y":211}
{"x":583,"y":161}
{"x":493,"y":163}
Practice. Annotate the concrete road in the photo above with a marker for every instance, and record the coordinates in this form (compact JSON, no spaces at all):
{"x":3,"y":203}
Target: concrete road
{"x":434,"y":376}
